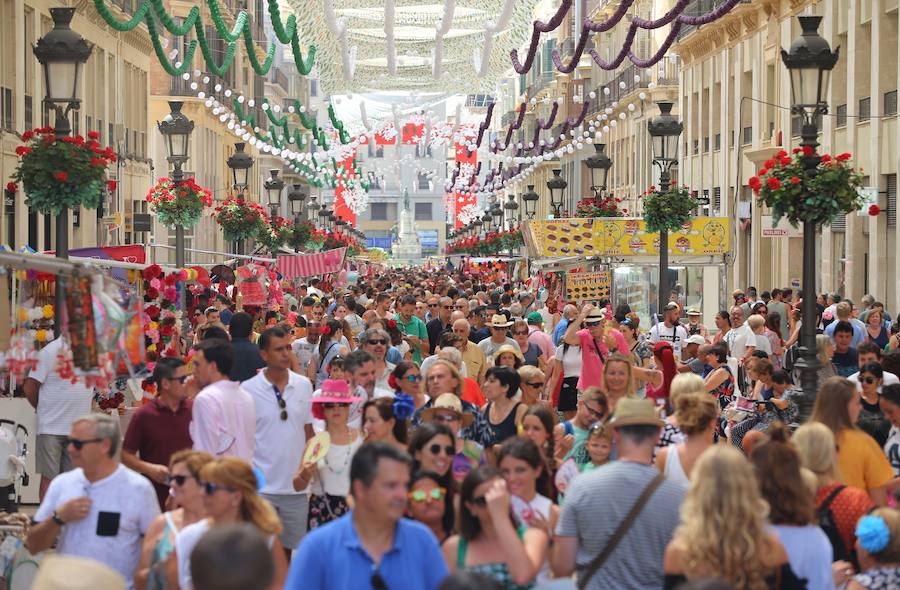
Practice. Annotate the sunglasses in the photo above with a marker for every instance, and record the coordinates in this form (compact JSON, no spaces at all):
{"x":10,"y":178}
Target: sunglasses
{"x":460,"y":307}
{"x":447,"y":307}
{"x":378,"y":582}
{"x":446,"y":418}
{"x":595,"y":412}
{"x":212,"y":488}
{"x":520,"y":333}
{"x":479,"y":501}
{"x":413,"y":378}
{"x":181,"y":379}
{"x":281,"y":404}
{"x":177,"y":479}
{"x":78,"y":444}
{"x":499,"y":328}
{"x":432,"y":305}
{"x":868,"y":380}
{"x":592,"y":324}
{"x":381,"y":342}
{"x":535,"y":384}
{"x":436,"y":449}
{"x":419,"y":496}
{"x":333,"y":405}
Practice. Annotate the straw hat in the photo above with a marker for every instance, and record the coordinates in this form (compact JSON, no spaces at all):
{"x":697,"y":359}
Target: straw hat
{"x":64,"y":572}
{"x":508,"y":348}
{"x":635,"y":412}
{"x":499,"y":320}
{"x":448,"y":401}
{"x":693,"y":310}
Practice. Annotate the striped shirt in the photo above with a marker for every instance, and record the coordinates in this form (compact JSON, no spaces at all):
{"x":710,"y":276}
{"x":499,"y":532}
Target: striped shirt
{"x":596,"y":504}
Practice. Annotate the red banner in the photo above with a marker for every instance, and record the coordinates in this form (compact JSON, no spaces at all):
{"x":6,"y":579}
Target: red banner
{"x":341,"y":210}
{"x":465,"y":201}
{"x":133,"y":253}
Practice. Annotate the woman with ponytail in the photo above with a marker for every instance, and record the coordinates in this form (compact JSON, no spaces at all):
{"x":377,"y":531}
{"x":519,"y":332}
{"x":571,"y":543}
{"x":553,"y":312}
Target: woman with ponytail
{"x":878,"y":544}
{"x":783,"y":485}
{"x":230,"y":486}
{"x":330,"y":345}
{"x":665,"y":361}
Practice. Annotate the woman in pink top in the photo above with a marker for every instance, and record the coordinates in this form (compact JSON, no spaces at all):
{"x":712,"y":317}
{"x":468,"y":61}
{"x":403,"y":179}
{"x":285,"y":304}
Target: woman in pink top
{"x":595,"y":344}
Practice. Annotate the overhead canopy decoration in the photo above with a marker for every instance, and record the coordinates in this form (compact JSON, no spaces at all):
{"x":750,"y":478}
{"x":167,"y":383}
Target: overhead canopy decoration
{"x":459,"y":46}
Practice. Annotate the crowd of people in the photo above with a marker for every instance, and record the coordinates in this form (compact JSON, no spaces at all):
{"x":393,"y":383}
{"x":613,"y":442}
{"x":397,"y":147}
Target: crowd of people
{"x":428,"y":430}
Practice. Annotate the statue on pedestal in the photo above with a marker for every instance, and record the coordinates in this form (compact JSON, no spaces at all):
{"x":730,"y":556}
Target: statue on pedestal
{"x":407,"y":246}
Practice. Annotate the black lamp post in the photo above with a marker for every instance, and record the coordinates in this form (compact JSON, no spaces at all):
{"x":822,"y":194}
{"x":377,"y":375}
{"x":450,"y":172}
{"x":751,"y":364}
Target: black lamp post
{"x":240,"y":163}
{"x":809,"y":61}
{"x":273,"y":186}
{"x":665,"y":130}
{"x":557,"y":185}
{"x":599,"y":165}
{"x":487,"y":220}
{"x":62,"y":52}
{"x":496,"y":212}
{"x":529,"y":200}
{"x":512,"y":208}
{"x":176,"y":130}
{"x":296,"y":197}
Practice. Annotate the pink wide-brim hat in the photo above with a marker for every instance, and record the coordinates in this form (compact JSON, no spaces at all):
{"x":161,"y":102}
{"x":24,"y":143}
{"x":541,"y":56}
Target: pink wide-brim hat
{"x":335,"y":391}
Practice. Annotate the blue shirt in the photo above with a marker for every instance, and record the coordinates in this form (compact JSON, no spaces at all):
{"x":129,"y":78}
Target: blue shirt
{"x":332,"y":558}
{"x":393,"y":356}
{"x":559,"y":331}
{"x":859,"y":333}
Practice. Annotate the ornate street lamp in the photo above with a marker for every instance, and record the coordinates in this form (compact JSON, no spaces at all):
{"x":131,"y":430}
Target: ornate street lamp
{"x":557,"y":185}
{"x":62,"y":52}
{"x":529,"y":200}
{"x":240,"y":163}
{"x":496,"y":212}
{"x":809,"y":61}
{"x":599,"y":165}
{"x":296,"y":197}
{"x":273,"y":186}
{"x":487,"y":220}
{"x":511,"y":207}
{"x":664,"y":130}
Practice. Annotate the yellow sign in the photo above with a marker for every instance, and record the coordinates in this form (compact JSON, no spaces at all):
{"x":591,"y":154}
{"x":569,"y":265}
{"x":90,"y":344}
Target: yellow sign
{"x":620,"y":236}
{"x":588,"y":286}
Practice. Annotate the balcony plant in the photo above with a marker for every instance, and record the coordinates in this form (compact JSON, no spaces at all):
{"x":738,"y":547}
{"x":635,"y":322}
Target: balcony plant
{"x":59,"y":172}
{"x":820,"y":195}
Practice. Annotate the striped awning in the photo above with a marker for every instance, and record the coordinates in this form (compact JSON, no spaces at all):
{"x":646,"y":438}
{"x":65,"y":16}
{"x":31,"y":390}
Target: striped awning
{"x":310,"y":265}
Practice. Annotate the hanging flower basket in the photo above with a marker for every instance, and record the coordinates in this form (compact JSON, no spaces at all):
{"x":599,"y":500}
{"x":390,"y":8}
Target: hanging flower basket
{"x":61,"y":172}
{"x":240,"y":219}
{"x":275,"y":233}
{"x":605,"y":206}
{"x":178,"y":205}
{"x":668,"y":211}
{"x":829,"y":191}
{"x":300,"y":235}
{"x":492,"y":244}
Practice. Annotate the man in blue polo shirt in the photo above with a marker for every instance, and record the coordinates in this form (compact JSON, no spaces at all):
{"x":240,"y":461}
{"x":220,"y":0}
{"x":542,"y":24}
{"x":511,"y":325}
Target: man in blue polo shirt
{"x":373,"y":546}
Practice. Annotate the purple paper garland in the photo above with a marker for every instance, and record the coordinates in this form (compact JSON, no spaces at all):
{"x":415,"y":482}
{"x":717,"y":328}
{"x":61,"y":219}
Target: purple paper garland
{"x":539,"y":27}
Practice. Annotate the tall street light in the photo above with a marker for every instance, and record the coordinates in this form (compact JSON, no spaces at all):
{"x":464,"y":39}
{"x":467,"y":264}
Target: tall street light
{"x":599,"y":165}
{"x":274,"y":186}
{"x":512,"y":210}
{"x":809,"y":61}
{"x":62,"y":52}
{"x":529,"y":201}
{"x":557,"y":185}
{"x":240,"y":163}
{"x":665,"y":130}
{"x":296,"y":197}
{"x":176,"y":130}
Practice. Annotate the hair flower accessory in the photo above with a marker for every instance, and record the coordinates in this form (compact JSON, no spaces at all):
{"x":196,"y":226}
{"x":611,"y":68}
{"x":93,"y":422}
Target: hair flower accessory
{"x":392,"y":324}
{"x":873,"y":533}
{"x":325,"y":331}
{"x":404,"y":407}
{"x":392,"y":382}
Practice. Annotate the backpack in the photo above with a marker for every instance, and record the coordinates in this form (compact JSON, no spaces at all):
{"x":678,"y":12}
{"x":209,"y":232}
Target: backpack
{"x":829,"y":527}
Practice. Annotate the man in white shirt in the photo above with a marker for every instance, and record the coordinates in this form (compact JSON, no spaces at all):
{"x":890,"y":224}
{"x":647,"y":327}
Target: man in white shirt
{"x":870,"y":353}
{"x":58,"y":403}
{"x":306,"y":349}
{"x":359,"y":366}
{"x":669,"y":330}
{"x":283,"y":424}
{"x":224,"y":419}
{"x":740,"y":338}
{"x":101,"y":509}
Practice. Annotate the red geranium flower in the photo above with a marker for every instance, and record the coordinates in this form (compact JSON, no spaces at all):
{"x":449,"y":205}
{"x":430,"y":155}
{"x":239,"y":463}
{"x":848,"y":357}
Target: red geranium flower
{"x":795,"y":180}
{"x":769,"y":163}
{"x":780,"y":154}
{"x":808,"y":150}
{"x":826,"y":158}
{"x":11,"y":187}
{"x":844,"y":157}
{"x":61,"y":176}
{"x":151,"y":272}
{"x":773,"y":183}
{"x":786,"y":161}
{"x":170,"y":279}
{"x":152,"y":311}
{"x":152,"y":293}
{"x":93,"y":135}
{"x":874,"y":210}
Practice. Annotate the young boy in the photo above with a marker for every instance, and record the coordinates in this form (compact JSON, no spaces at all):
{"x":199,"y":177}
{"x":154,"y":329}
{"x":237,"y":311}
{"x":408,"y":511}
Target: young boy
{"x":599,"y":446}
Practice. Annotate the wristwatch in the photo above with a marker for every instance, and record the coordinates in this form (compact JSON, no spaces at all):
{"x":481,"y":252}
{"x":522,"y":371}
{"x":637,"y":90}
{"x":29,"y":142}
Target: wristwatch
{"x":55,"y":518}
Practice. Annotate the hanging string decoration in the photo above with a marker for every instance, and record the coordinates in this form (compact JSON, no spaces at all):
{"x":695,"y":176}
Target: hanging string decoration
{"x":151,"y":11}
{"x":356,"y":199}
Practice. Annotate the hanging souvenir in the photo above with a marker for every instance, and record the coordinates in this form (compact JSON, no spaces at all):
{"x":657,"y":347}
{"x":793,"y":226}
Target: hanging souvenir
{"x":250,"y":279}
{"x":82,"y":331}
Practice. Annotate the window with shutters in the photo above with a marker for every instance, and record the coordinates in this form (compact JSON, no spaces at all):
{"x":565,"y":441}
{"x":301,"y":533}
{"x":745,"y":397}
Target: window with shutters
{"x":378,"y":211}
{"x":718,"y":142}
{"x":717,"y":201}
{"x":840,"y":119}
{"x":865,"y":108}
{"x":890,"y":103}
{"x":891,"y":200}
{"x":423,"y":211}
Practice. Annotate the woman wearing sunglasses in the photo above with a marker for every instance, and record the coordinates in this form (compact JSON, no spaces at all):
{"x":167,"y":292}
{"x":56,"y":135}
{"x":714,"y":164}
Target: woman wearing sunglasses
{"x":229,"y":486}
{"x":432,"y":448}
{"x":431,"y":504}
{"x":872,"y":418}
{"x":406,"y":379}
{"x":489,"y":541}
{"x":330,"y":475}
{"x":159,"y":542}
{"x":530,"y":353}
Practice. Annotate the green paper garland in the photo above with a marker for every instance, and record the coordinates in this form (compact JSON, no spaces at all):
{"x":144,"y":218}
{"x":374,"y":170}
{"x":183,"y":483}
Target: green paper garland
{"x":285,"y":34}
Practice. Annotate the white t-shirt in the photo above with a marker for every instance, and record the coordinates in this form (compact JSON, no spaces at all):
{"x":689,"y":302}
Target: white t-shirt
{"x":571,"y":361}
{"x":185,"y":541}
{"x":738,"y":339}
{"x":763,"y":344}
{"x":60,"y":402}
{"x":676,"y":335}
{"x":305,"y":351}
{"x":280,"y":443}
{"x":886,"y":379}
{"x":892,"y":449}
{"x":125,"y":495}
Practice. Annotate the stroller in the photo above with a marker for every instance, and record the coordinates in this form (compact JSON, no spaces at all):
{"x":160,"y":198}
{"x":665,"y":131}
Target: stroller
{"x":13,"y":450}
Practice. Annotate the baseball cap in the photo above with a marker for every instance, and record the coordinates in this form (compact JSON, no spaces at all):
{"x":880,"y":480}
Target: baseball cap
{"x":534,"y":318}
{"x":696,"y":339}
{"x":672,"y":306}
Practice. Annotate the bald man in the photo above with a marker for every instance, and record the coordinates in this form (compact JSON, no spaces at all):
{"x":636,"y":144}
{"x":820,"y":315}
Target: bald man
{"x":473,"y":356}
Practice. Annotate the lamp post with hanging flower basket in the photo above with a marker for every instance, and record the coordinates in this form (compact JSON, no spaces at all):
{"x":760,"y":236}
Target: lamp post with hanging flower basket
{"x":275,"y":233}
{"x":240,"y":220}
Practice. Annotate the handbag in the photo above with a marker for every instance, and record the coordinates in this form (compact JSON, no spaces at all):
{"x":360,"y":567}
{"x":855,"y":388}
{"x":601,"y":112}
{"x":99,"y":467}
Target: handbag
{"x":616,"y":537}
